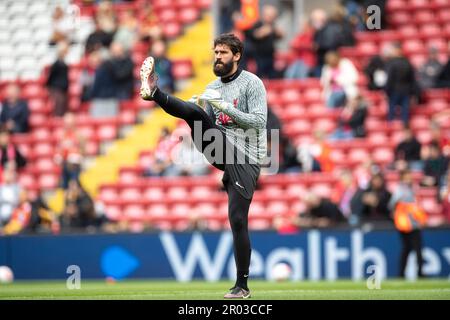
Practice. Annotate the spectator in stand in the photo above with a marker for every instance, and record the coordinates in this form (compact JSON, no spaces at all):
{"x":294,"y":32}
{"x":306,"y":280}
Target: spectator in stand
{"x":430,"y":70}
{"x":319,"y":212}
{"x":437,"y":135}
{"x":318,"y":18}
{"x":126,"y":34}
{"x":443,"y":80}
{"x":409,"y":219}
{"x":10,"y":156}
{"x":352,"y":120}
{"x":408,"y":152}
{"x":354,"y":14}
{"x":287,"y":153}
{"x":122,"y":70}
{"x":149,"y":24}
{"x":79,"y":210}
{"x":20,"y":217}
{"x":70,"y":151}
{"x":58,"y":81}
{"x":400,"y":84}
{"x":104,"y":90}
{"x":364,"y":172}
{"x":9,"y":194}
{"x":87,"y":76}
{"x":371,"y":204}
{"x":339,"y":80}
{"x":336,"y":32}
{"x":262,"y":37}
{"x":43,"y":219}
{"x":98,"y":39}
{"x":63,"y":27}
{"x":14,"y":111}
{"x":288,"y":162}
{"x":343,"y":193}
{"x":161,"y":160}
{"x":305,"y":60}
{"x":321,"y":150}
{"x":163,"y":66}
{"x":106,"y":17}
{"x":305,"y":157}
{"x":376,"y":69}
{"x":435,"y":166}
{"x":227,"y":8}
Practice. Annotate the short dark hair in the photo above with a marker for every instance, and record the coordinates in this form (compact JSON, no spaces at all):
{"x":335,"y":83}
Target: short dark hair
{"x":230,"y":40}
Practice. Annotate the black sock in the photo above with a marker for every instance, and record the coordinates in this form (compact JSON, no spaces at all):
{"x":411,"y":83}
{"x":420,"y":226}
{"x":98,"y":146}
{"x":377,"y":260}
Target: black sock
{"x":241,"y":280}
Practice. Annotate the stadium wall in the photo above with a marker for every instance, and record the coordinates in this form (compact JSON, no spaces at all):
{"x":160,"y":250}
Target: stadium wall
{"x":313,"y":255}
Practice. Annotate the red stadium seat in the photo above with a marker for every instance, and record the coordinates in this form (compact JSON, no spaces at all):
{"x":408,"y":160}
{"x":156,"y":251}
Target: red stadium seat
{"x":130,"y":194}
{"x":322,"y":190}
{"x":167,"y":15}
{"x":358,"y":155}
{"x":383,"y":155}
{"x":106,"y":132}
{"x":419,"y":122}
{"x":108,"y":194}
{"x":177,"y":193}
{"x":157,"y":210}
{"x":92,"y":148}
{"x":171,"y":30}
{"x":48,"y":181}
{"x":43,"y":149}
{"x":201,"y":192}
{"x":413,"y":47}
{"x":27,"y":180}
{"x":113,"y":212}
{"x":180,"y":210}
{"x":399,"y":18}
{"x":38,"y":105}
{"x":377,"y":139}
{"x":430,"y":30}
{"x":152,"y":194}
{"x":44,"y":164}
{"x":134,"y":212}
{"x":188,"y":15}
{"x":422,"y":17}
{"x":33,"y":91}
{"x":290,"y":96}
{"x":394,"y":5}
{"x":182,"y":69}
{"x":129,"y":175}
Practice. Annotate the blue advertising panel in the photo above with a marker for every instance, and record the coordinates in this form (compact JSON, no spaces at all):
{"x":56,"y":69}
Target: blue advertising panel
{"x":311,"y":254}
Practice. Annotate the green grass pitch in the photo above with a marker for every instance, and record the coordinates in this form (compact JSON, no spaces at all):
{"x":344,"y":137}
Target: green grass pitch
{"x":200,"y":290}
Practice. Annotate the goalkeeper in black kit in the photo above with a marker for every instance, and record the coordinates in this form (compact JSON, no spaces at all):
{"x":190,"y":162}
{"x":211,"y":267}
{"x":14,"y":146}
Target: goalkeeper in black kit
{"x":228,"y":125}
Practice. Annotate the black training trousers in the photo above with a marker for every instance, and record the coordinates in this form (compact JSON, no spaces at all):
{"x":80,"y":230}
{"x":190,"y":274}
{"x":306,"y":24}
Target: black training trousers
{"x":235,"y":176}
{"x":411,"y":241}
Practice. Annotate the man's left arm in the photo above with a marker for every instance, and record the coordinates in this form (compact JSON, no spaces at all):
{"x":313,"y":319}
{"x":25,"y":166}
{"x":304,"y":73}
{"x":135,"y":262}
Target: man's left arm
{"x":256,"y":118}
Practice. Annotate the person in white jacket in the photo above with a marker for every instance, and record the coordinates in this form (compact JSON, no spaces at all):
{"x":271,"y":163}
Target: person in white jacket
{"x":339,"y":80}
